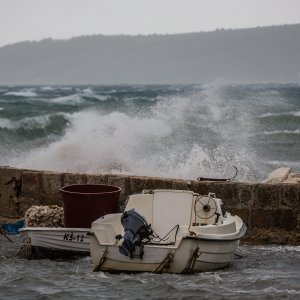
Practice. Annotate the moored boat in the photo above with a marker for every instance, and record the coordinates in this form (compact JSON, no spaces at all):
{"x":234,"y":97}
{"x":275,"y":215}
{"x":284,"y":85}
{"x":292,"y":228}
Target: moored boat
{"x":83,"y":203}
{"x":47,"y":242}
{"x":162,"y":231}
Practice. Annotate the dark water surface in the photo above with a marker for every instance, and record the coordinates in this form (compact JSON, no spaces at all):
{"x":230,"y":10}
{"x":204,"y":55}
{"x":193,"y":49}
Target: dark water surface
{"x":264,"y":272}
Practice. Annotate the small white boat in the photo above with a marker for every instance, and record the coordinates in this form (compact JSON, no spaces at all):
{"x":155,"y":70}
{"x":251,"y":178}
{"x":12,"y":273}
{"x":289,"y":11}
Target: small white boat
{"x":188,"y":233}
{"x":83,"y":203}
{"x":46,"y":242}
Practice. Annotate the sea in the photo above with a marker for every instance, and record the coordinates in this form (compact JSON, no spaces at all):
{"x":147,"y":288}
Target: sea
{"x":257,"y":272}
{"x":177,"y":131}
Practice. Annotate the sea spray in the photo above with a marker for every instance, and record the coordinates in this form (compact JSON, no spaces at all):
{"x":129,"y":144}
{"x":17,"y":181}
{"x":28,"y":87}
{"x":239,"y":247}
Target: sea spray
{"x":174,"y":131}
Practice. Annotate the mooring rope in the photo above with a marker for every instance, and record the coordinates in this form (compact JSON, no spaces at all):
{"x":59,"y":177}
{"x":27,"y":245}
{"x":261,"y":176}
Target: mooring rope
{"x":3,"y":232}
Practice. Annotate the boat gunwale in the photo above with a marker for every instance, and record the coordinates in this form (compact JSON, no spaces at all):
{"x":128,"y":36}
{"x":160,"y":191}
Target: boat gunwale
{"x":240,"y":233}
{"x":53,"y":229}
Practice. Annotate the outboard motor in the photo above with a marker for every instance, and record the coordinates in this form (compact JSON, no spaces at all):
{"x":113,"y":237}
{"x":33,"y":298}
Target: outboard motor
{"x":137,"y":232}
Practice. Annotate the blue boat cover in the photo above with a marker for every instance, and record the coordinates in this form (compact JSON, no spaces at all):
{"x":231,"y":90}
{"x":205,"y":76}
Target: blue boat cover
{"x":13,"y":228}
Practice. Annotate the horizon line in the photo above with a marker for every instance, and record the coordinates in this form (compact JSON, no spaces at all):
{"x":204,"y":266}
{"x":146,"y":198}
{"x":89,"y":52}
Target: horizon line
{"x":146,"y":34}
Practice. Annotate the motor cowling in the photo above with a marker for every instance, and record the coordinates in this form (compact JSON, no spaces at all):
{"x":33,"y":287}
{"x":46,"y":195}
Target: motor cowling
{"x":137,"y":232}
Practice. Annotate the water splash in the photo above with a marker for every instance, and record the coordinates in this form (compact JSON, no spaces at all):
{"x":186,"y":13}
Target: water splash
{"x":197,"y":133}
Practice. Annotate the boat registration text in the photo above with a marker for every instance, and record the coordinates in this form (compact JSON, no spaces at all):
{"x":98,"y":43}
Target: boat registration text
{"x":71,"y":237}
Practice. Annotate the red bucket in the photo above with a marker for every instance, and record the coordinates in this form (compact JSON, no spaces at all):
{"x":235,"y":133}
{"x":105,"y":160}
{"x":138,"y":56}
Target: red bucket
{"x":85,"y":203}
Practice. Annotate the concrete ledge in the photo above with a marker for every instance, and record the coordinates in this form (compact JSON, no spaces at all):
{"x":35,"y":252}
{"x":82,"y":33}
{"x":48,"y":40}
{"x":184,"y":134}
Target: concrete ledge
{"x":262,"y":206}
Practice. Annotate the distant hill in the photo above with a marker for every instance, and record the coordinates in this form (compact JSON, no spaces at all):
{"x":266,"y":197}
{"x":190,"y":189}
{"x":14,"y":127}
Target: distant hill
{"x":266,"y":54}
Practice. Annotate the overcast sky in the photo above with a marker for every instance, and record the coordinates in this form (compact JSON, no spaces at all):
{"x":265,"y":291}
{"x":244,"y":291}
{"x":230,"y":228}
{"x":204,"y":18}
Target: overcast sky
{"x":37,"y":19}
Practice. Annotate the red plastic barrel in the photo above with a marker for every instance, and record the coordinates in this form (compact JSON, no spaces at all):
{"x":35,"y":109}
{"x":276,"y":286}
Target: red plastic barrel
{"x":84,"y":203}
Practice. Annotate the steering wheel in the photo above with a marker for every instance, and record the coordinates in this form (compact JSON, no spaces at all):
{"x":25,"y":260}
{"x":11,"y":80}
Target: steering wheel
{"x":205,"y":207}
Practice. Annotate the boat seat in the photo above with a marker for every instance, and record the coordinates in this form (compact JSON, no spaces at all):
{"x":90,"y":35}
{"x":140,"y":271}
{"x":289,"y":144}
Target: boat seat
{"x":171,"y":208}
{"x":142,"y":204}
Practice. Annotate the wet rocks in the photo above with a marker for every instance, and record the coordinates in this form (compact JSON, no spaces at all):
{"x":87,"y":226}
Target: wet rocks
{"x":45,"y":216}
{"x":282,"y":175}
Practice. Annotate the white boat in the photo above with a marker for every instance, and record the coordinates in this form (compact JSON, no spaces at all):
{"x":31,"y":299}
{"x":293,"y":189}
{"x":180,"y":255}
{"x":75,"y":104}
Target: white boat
{"x":190,"y":234}
{"x":47,"y":242}
{"x":83,"y":203}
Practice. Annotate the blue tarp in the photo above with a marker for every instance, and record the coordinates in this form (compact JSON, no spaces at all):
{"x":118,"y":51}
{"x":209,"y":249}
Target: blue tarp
{"x":13,"y":228}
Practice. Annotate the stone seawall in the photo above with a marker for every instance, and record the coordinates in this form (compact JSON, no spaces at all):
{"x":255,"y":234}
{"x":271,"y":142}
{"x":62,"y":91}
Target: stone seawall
{"x":270,"y":211}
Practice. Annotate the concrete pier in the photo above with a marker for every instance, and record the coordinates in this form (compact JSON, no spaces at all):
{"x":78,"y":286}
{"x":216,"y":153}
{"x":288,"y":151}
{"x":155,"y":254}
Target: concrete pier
{"x":270,"y":211}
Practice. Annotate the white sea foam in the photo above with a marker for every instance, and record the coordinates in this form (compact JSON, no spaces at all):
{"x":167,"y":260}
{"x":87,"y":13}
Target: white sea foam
{"x":66,"y":88}
{"x":6,"y":123}
{"x":1,"y":108}
{"x":47,"y":88}
{"x":74,"y":99}
{"x":99,"y":142}
{"x":276,"y":132}
{"x":271,"y":94}
{"x":89,"y":92}
{"x":111,"y":91}
{"x":102,"y":97}
{"x":270,"y":291}
{"x":291,"y":113}
{"x":22,"y":93}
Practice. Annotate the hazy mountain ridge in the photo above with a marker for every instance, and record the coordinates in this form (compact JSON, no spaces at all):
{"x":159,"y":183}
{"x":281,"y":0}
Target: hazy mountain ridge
{"x":266,"y":54}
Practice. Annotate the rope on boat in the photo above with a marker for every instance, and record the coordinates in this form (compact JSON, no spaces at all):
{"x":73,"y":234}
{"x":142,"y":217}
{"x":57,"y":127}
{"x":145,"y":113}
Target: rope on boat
{"x":165,"y":238}
{"x":192,"y":260}
{"x":166,"y":263}
{"x":101,"y":262}
{"x":3,"y":232}
{"x":239,"y":255}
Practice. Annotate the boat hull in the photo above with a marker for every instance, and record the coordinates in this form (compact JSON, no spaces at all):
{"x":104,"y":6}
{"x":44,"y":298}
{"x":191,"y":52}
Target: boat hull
{"x":192,"y":255}
{"x":52,"y":243}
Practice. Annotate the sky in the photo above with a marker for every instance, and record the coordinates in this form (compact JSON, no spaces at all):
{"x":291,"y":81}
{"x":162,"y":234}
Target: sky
{"x":62,"y":19}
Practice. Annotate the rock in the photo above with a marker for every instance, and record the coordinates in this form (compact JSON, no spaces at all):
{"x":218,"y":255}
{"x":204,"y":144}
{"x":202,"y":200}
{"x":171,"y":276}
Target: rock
{"x":282,"y":175}
{"x":278,"y":175}
{"x":294,"y":175}
{"x":45,"y":216}
{"x":292,"y":180}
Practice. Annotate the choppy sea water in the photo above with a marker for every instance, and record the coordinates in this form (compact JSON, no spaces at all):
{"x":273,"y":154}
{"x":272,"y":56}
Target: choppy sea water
{"x":170,"y":130}
{"x":259,"y":272}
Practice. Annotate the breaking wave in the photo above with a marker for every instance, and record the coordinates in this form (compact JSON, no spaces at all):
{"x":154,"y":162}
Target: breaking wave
{"x":69,"y":100}
{"x":296,"y":131}
{"x":179,"y":136}
{"x":171,"y":131}
{"x":31,"y":123}
{"x":98,"y":142}
{"x":23,"y":93}
{"x":291,"y":113}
